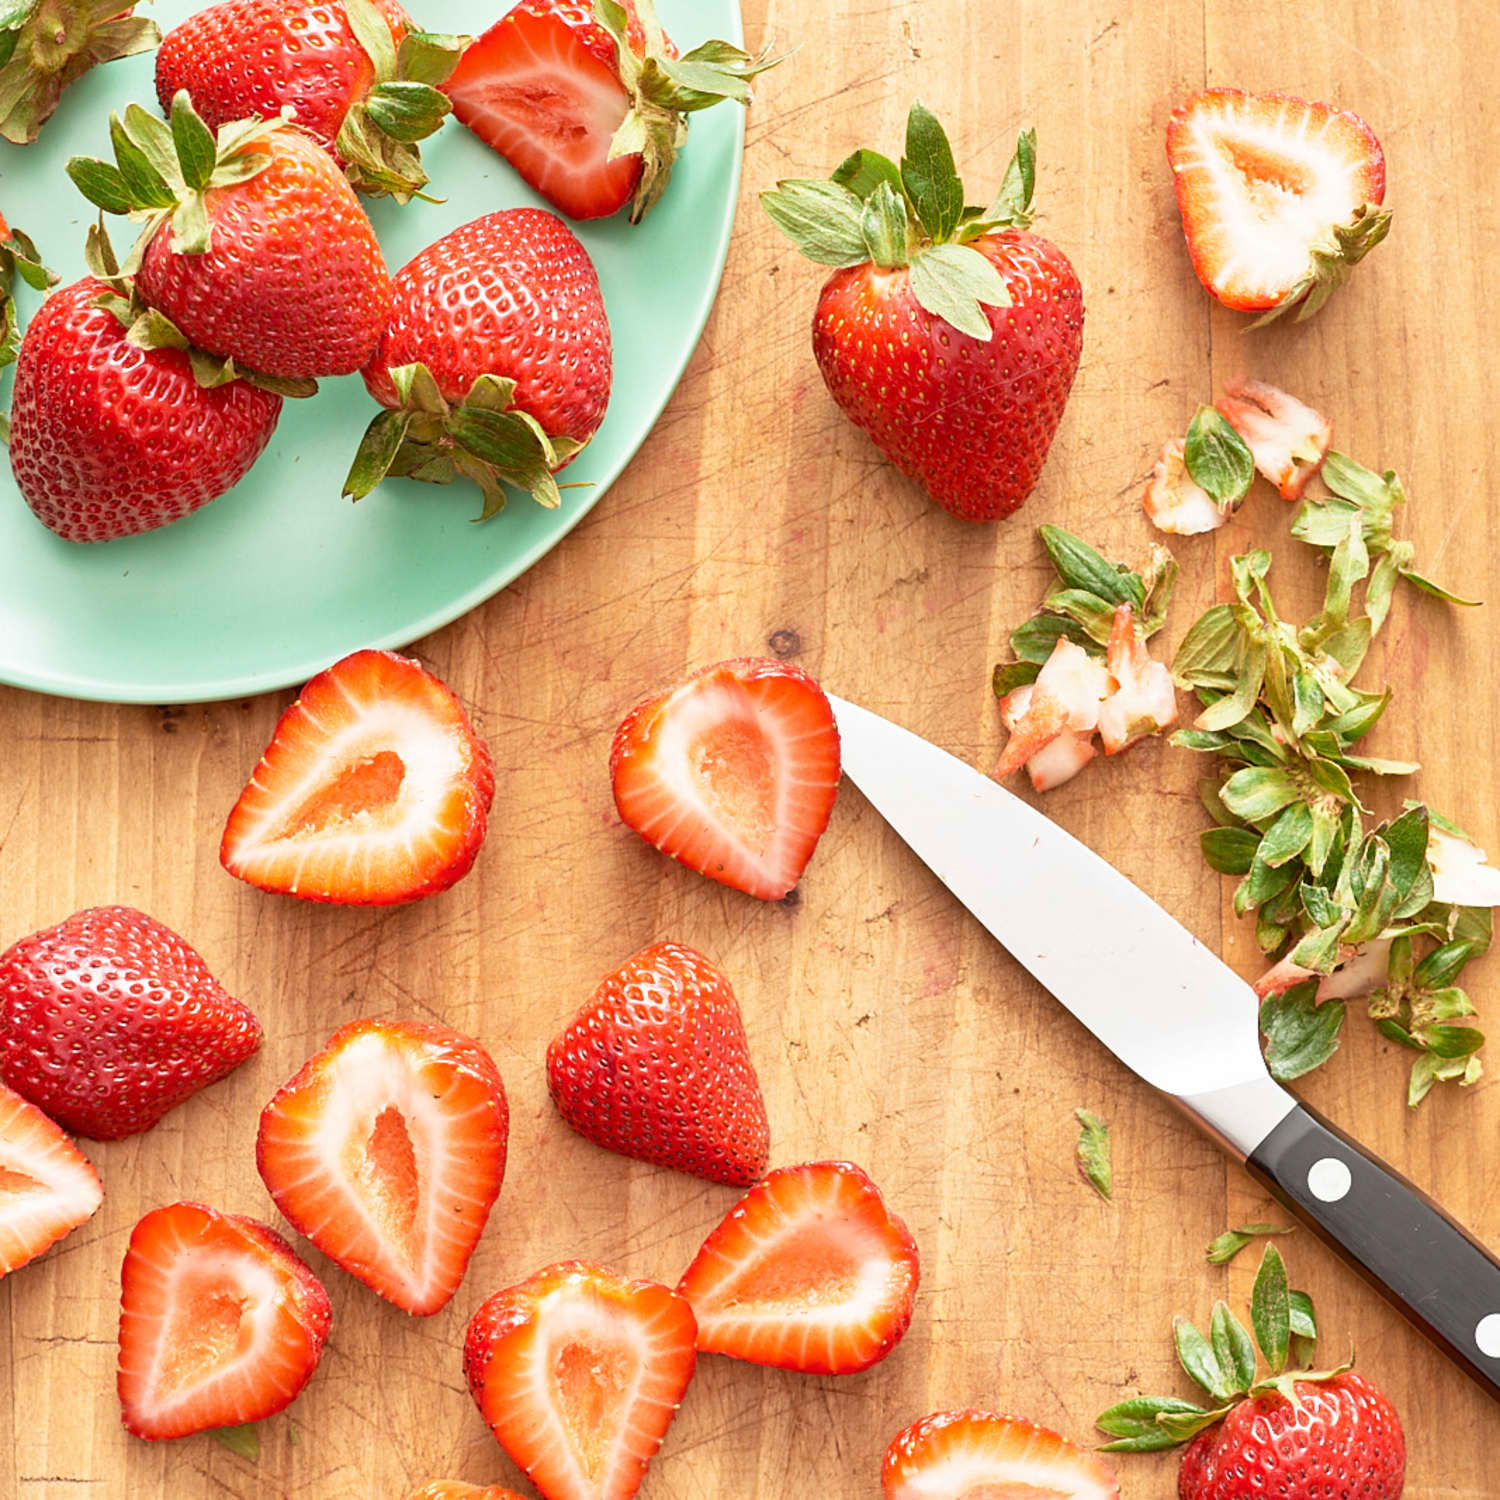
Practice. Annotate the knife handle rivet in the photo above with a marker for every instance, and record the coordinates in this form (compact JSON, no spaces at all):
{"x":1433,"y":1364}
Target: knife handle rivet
{"x":1487,"y":1335}
{"x":1329,"y":1180}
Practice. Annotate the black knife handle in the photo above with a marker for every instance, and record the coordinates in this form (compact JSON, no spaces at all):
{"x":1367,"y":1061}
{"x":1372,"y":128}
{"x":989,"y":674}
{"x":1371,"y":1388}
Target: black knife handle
{"x":1434,"y":1272}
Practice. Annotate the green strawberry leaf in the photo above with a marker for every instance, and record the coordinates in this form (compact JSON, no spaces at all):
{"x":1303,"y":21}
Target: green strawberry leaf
{"x":930,"y":178}
{"x":1093,"y":1153}
{"x":956,"y":283}
{"x":1012,"y":205}
{"x":1081,"y":567}
{"x":822,"y":219}
{"x":101,"y":183}
{"x":1197,"y":1357}
{"x":1271,"y":1310}
{"x":1230,"y":851}
{"x":1229,"y":1244}
{"x":429,"y":56}
{"x":1256,"y":793}
{"x":865,"y":170}
{"x":1287,"y":837}
{"x":1233,"y":1349}
{"x":1135,"y":1425}
{"x":374,"y":35}
{"x":1035,"y":639}
{"x":147,"y":187}
{"x":193,"y":144}
{"x":1218,"y":459}
{"x":407,"y":111}
{"x":1427,"y":586}
{"x":243,"y":1441}
{"x":1300,"y":1034}
{"x":1209,"y":649}
{"x":1011,"y":675}
{"x":883,"y":225}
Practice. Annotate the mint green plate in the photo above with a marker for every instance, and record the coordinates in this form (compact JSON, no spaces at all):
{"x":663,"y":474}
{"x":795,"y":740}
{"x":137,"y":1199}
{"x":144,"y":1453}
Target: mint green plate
{"x":279,"y":577}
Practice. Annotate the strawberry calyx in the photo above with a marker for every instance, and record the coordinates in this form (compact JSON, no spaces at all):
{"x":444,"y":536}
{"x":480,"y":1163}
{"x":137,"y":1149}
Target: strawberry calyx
{"x":377,"y":141}
{"x":46,"y":45}
{"x":485,"y":438}
{"x":1225,"y":1365}
{"x":1334,"y":256}
{"x":665,"y":89}
{"x":872,"y":211}
{"x":19,"y":257}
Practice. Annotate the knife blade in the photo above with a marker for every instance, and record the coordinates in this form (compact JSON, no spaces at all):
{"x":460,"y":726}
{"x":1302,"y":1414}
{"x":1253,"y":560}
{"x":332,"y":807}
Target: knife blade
{"x":1179,"y":1018}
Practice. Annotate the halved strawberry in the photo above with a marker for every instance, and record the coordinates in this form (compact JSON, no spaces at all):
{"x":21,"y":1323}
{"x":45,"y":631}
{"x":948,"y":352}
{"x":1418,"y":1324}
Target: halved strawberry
{"x":733,"y":773}
{"x":374,"y":789}
{"x":980,"y":1455}
{"x":387,"y":1151}
{"x":220,"y":1323}
{"x":1287,"y":439}
{"x":47,"y":1185}
{"x":810,"y":1271}
{"x":579,"y":1373}
{"x":1279,"y":197}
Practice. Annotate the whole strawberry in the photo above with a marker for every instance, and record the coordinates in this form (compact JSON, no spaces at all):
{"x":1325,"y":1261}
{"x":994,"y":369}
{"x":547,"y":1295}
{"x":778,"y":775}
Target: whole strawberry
{"x":1298,"y":1435}
{"x":496,"y":363}
{"x":656,"y":1067}
{"x":255,"y":246}
{"x":360,"y":77}
{"x":108,"y":438}
{"x":109,"y":1019}
{"x":948,"y":333}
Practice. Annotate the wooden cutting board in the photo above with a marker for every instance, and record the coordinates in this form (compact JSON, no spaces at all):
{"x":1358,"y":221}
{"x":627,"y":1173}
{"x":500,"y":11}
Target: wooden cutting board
{"x":887,"y":1027}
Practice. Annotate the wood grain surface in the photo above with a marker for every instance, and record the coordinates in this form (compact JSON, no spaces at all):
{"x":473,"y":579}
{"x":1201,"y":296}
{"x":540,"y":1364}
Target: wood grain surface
{"x":886,"y":1026}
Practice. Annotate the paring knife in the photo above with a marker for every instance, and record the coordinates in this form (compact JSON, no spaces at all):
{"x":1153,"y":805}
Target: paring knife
{"x":1180,"y":1019}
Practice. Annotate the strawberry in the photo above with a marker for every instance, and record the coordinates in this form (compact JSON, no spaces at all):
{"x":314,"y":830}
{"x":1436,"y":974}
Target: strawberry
{"x":47,"y":1186}
{"x":496,"y":363}
{"x":387,"y":1150}
{"x":589,"y":103}
{"x":46,"y":45}
{"x":453,"y":1489}
{"x":809,"y":1271}
{"x":360,"y":78}
{"x":1297,"y":1434}
{"x":1287,"y":440}
{"x":254,"y":246}
{"x":732,"y":772}
{"x":374,"y":790}
{"x":579,"y":1373}
{"x":1279,"y":197}
{"x":219,"y":1322}
{"x":656,"y":1067}
{"x":109,"y":1019}
{"x":980,"y":1453}
{"x":949,"y":334}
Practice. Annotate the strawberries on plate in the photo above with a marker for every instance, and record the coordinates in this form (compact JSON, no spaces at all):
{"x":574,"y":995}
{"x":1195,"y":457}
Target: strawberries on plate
{"x":953,"y":1454}
{"x":578,"y":1373}
{"x":48,"y":1187}
{"x":220,"y":1323}
{"x":387,"y":1150}
{"x":110,"y":1019}
{"x":656,"y":1066}
{"x":374,"y":789}
{"x":1279,"y":197}
{"x":732,"y":772}
{"x":810,"y":1271}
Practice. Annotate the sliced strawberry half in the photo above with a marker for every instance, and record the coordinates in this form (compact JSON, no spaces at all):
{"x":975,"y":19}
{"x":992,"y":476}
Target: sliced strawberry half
{"x":220,"y":1323}
{"x":809,"y":1271}
{"x":387,"y":1151}
{"x":1287,"y":439}
{"x":579,"y":1373}
{"x":733,"y":773}
{"x":374,"y":789}
{"x":980,"y":1455}
{"x":47,"y":1185}
{"x":1279,"y":197}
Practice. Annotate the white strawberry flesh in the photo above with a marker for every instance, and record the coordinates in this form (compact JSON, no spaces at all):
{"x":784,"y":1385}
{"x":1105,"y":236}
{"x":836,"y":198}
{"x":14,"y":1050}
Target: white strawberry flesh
{"x":1461,"y":872}
{"x":1174,"y":502}
{"x":1143,"y":700}
{"x":1287,"y":439}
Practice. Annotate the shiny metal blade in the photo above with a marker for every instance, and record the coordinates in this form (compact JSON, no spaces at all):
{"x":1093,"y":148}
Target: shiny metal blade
{"x":1146,"y":987}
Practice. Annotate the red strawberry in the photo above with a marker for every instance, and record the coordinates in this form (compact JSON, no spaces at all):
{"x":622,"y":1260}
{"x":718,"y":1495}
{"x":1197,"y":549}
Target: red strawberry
{"x":554,"y":89}
{"x":1279,"y":197}
{"x":504,"y":312}
{"x":733,"y":773}
{"x":374,"y":789}
{"x":255,"y":247}
{"x":47,"y":1186}
{"x":810,"y":1271}
{"x":949,"y":334}
{"x":219,"y":1322}
{"x":108,"y":439}
{"x":579,"y":1373}
{"x":255,"y":57}
{"x":109,"y":1019}
{"x":656,"y":1067}
{"x":387,"y":1151}
{"x":978,"y":1453}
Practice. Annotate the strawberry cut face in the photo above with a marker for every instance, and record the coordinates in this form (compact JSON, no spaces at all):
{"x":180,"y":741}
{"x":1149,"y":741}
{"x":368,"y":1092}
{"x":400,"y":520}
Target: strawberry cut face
{"x":47,"y":1186}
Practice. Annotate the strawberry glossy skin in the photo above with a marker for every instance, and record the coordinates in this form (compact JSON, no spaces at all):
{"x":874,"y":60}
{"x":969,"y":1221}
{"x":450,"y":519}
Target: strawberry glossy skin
{"x":64,"y":1189}
{"x":374,"y":790}
{"x":656,"y":1067}
{"x":250,"y":57}
{"x":108,"y":440}
{"x":512,"y":294}
{"x":1346,"y":1442}
{"x":234,"y":1270}
{"x":970,"y":421}
{"x":110,"y":1019}
{"x":294,"y":283}
{"x":404,"y":1217}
